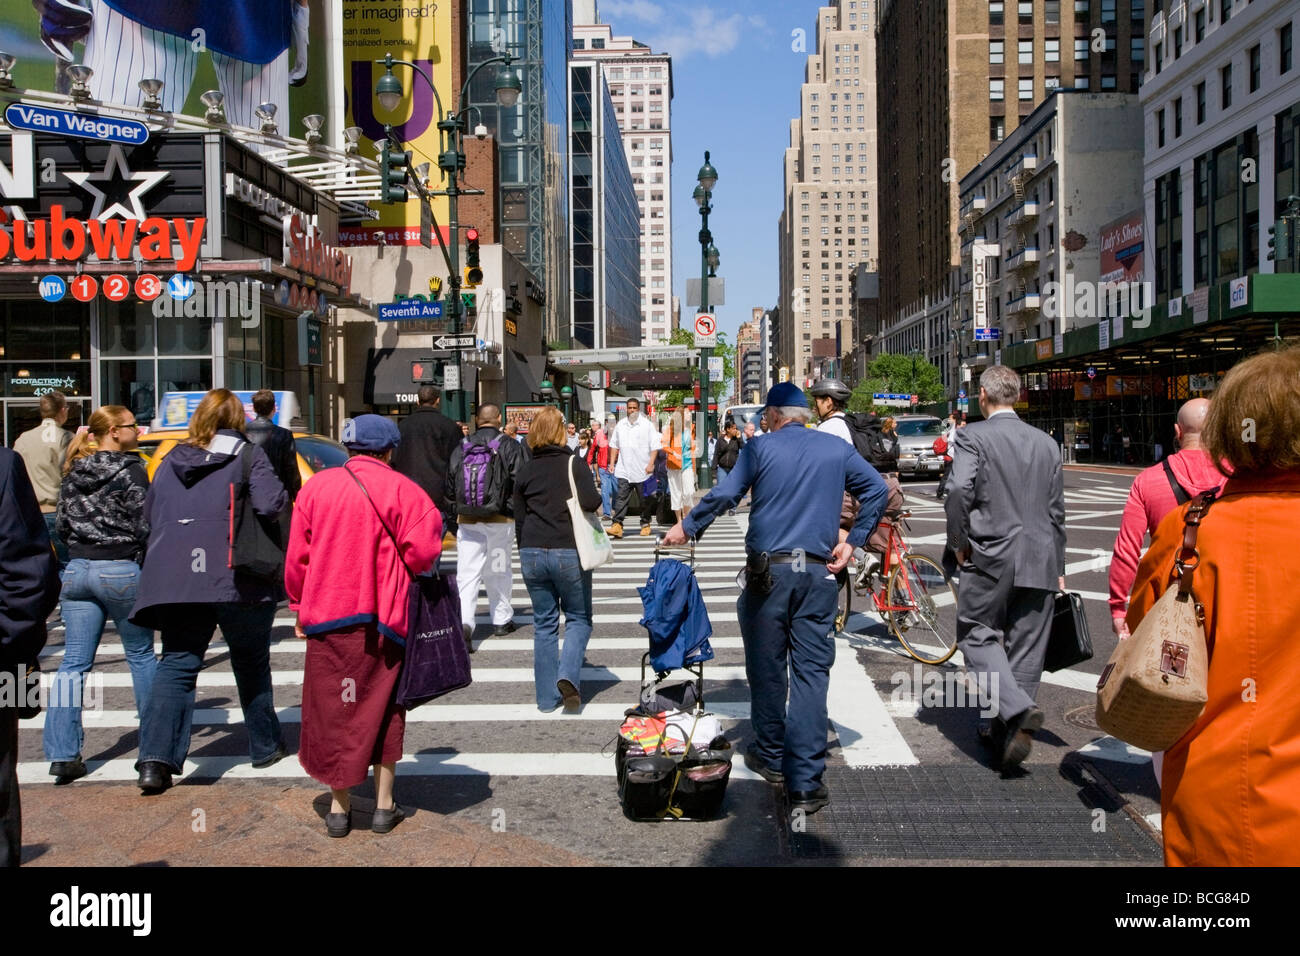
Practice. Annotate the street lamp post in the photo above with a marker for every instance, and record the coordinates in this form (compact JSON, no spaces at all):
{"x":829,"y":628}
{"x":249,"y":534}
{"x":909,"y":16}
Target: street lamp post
{"x":451,"y":160}
{"x":709,"y":258}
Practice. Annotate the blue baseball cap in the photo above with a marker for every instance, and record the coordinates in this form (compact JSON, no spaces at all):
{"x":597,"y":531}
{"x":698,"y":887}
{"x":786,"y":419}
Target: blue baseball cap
{"x":784,"y":394}
{"x":370,"y":433}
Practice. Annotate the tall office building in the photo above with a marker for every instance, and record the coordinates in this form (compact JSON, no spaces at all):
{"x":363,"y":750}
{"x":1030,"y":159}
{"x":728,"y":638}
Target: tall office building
{"x":532,"y":134}
{"x":825,"y":227}
{"x":641,"y":87}
{"x":749,"y":357}
{"x":955,"y":78}
{"x":605,"y":238}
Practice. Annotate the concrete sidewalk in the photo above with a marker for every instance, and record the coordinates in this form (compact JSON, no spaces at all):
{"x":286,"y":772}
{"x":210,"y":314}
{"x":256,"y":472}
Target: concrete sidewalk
{"x":232,"y":823}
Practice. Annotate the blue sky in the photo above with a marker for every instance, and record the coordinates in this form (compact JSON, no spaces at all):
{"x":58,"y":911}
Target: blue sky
{"x":735,"y":90}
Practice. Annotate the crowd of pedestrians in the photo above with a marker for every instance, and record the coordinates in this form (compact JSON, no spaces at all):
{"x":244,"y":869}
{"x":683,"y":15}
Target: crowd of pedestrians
{"x":83,"y":526}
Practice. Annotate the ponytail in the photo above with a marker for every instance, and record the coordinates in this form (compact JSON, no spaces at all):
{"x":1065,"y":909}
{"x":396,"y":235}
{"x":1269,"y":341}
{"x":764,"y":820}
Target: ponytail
{"x":87,"y":441}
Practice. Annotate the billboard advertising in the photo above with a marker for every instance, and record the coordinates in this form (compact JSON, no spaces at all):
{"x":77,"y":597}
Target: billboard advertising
{"x":419,"y":33}
{"x":1121,"y":249}
{"x":251,"y":51}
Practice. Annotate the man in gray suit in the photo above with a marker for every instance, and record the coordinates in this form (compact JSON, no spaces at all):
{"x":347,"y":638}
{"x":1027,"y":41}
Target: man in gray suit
{"x":1006,"y":525}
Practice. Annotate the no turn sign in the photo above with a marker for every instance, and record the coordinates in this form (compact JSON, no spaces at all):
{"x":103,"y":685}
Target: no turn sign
{"x":706,"y":331}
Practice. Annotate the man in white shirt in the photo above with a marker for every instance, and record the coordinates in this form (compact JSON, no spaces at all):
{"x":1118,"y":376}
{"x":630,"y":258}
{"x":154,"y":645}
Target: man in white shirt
{"x":632,"y":449}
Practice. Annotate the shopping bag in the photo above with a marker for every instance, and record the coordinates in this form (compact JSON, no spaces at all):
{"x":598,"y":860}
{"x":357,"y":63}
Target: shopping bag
{"x":437,"y":661}
{"x":589,"y":537}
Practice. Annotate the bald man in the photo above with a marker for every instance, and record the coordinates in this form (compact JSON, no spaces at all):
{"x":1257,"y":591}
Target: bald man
{"x":1157,"y":491}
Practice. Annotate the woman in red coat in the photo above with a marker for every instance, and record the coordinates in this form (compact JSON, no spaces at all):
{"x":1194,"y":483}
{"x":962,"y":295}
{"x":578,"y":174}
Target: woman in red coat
{"x":348,"y":582}
{"x":1230,"y":788}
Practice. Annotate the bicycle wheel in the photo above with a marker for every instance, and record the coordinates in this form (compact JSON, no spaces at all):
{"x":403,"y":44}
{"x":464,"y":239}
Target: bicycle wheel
{"x":928,"y":629}
{"x":844,"y":601}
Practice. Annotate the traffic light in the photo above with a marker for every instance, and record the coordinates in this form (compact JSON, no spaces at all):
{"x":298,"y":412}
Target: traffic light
{"x":394,"y":165}
{"x":473,"y":273}
{"x":1279,"y":240}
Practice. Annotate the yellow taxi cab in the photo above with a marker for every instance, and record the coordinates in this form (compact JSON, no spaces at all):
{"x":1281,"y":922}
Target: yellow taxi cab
{"x":315,"y":452}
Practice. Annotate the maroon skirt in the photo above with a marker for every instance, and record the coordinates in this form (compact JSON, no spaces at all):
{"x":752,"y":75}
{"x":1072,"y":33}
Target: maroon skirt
{"x":349,"y":716}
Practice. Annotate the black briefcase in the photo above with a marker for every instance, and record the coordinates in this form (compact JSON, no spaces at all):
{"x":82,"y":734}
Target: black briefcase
{"x":1070,"y":643}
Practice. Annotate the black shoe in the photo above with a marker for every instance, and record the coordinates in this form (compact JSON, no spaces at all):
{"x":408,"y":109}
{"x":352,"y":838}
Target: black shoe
{"x":753,"y":762}
{"x":66,"y":771}
{"x":509,"y":627}
{"x":809,"y":801}
{"x":1019,"y":736}
{"x":338,"y":824}
{"x":384,"y":820}
{"x":572,"y":699}
{"x":155,"y":777}
{"x":275,"y":758}
{"x":469,"y":639}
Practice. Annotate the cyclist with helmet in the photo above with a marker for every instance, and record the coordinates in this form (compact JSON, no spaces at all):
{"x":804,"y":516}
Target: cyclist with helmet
{"x":831,"y":396}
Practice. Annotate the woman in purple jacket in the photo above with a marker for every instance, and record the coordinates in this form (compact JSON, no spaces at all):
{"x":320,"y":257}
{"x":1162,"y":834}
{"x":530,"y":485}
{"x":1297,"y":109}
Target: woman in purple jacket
{"x":188,"y":586}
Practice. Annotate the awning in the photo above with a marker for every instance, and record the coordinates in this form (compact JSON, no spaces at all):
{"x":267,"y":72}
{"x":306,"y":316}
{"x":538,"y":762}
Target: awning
{"x":524,"y":375}
{"x":389,"y":376}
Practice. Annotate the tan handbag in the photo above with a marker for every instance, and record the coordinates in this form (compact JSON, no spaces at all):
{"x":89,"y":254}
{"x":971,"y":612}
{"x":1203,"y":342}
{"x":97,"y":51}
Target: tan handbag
{"x":1154,"y":687}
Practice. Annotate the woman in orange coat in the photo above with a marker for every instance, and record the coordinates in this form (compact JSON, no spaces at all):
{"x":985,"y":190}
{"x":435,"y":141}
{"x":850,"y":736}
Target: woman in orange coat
{"x":1230,"y":790}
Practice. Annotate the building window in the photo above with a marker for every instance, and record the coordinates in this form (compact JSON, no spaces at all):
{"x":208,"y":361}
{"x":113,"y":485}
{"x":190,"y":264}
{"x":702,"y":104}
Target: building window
{"x":1198,"y":28}
{"x":1081,"y":10}
{"x":1225,"y":10}
{"x":1026,"y":87}
{"x":997,"y":129}
{"x":1080,"y":50}
{"x":1284,"y":49}
{"x":997,"y":89}
{"x":1200,"y":103}
{"x":1108,"y":82}
{"x":1253,"y":56}
{"x":1178,"y":117}
{"x":1052,"y":51}
{"x":1026,"y":10}
{"x":1052,"y":11}
{"x":1225,"y":87}
{"x":1160,"y":128}
{"x":1138,"y":11}
{"x":1107,"y":11}
{"x":1026,"y":51}
{"x":995,"y":51}
{"x":1137,"y":49}
{"x":579,"y":44}
{"x":597,"y":43}
{"x":995,"y":13}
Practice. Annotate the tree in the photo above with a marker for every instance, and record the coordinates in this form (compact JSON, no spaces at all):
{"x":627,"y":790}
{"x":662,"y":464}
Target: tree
{"x":677,"y":397}
{"x":898,"y":374}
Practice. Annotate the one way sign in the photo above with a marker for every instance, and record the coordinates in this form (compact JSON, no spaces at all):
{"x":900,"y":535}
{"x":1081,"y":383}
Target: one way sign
{"x":454,"y":342}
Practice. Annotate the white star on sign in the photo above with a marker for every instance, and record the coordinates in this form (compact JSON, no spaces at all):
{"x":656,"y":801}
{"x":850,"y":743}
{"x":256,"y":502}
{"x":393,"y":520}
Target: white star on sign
{"x":115,"y":170}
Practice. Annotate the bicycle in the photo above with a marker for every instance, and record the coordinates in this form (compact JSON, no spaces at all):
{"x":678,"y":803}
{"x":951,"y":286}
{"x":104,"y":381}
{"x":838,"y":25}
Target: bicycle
{"x":919,"y":602}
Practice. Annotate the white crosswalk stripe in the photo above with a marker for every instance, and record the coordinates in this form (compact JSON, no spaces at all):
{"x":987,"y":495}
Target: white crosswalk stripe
{"x":491,"y":727}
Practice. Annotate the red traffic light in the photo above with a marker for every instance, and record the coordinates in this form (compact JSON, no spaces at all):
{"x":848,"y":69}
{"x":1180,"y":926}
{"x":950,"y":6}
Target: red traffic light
{"x":471,"y":234}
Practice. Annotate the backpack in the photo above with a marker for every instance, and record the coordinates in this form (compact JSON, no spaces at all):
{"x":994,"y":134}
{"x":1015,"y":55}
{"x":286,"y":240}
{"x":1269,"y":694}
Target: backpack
{"x":868,"y":438}
{"x":482,"y":485}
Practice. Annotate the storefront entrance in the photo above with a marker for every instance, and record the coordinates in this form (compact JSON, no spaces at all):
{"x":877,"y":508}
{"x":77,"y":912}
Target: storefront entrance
{"x":22,"y":415}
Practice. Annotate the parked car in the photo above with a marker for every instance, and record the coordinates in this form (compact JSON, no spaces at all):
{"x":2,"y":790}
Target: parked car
{"x":315,"y":452}
{"x":916,"y":435}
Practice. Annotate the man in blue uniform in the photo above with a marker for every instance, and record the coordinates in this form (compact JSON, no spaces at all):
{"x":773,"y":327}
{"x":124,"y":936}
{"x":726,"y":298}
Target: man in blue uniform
{"x":788,"y":606}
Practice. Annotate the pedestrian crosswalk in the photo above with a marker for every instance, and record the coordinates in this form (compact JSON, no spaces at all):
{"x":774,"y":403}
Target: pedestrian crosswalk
{"x":493,"y":727}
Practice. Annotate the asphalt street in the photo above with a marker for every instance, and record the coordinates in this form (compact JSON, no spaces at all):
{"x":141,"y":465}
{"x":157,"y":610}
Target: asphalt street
{"x":907,"y":775}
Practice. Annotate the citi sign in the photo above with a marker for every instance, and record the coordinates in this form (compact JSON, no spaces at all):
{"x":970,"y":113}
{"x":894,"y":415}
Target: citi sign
{"x":71,"y":239}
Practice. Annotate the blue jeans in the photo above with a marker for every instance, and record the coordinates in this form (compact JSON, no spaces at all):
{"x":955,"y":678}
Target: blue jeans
{"x":165,"y":735}
{"x":719,"y":474}
{"x":608,"y":488}
{"x":789,"y":645}
{"x":94,"y":591}
{"x":555,"y":580}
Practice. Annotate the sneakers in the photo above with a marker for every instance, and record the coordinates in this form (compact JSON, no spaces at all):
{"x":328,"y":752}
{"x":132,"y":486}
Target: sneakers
{"x":616,"y":530}
{"x":645,"y":531}
{"x":66,"y":771}
{"x":572,"y":699}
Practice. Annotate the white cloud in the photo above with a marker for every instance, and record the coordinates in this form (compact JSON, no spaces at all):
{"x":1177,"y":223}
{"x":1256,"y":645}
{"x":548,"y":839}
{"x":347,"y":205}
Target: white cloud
{"x":642,"y":10}
{"x":700,"y":31}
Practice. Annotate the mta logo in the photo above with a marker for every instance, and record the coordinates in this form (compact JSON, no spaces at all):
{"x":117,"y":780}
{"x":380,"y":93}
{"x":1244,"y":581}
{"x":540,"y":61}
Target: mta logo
{"x":180,"y":286}
{"x":53,"y":288}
